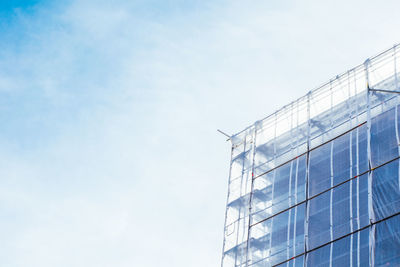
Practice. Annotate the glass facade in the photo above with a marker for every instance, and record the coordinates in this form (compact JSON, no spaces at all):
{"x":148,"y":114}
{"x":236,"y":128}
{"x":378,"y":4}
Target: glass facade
{"x":317,"y":183}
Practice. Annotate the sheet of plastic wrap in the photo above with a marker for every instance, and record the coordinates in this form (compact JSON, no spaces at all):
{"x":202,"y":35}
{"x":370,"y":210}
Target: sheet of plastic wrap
{"x":317,"y":183}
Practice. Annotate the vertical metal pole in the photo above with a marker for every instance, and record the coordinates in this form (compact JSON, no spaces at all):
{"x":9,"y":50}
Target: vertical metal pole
{"x":370,"y":206}
{"x":358,"y":172}
{"x":396,"y":108}
{"x":351,"y":196}
{"x":240,"y":206}
{"x":331,"y":206}
{"x":397,"y":138}
{"x":307,"y":179}
{"x":273,"y":186}
{"x":395,"y":67}
{"x":295,"y":210}
{"x":331,"y":190}
{"x":256,"y":125}
{"x":366,"y":65}
{"x":295,"y":184}
{"x":351,"y":168}
{"x":290,"y":184}
{"x":290,"y":212}
{"x":246,"y":211}
{"x":227,"y":200}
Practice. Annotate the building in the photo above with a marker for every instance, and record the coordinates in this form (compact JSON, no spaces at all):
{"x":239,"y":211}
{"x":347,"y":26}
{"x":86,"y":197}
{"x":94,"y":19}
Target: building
{"x":317,"y":183}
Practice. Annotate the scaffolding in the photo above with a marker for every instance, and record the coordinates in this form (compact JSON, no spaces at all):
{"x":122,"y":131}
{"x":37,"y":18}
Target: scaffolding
{"x":317,"y":183}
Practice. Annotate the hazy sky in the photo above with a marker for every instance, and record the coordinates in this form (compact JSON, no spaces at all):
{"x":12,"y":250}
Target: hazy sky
{"x":109,"y":109}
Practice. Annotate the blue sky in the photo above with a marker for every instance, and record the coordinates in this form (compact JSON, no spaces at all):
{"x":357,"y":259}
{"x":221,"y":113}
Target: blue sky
{"x":7,"y":7}
{"x":109,"y":109}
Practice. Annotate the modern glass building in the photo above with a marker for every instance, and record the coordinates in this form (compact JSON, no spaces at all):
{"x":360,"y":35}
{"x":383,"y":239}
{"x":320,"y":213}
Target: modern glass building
{"x":317,"y":183}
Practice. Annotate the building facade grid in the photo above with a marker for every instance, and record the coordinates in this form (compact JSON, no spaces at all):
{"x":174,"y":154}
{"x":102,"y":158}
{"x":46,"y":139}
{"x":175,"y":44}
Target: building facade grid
{"x":317,"y":183}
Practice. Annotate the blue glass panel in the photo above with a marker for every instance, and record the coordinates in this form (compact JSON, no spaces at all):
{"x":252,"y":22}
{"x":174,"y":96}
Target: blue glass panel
{"x":383,"y":138}
{"x":363,"y":247}
{"x":287,"y":190}
{"x":341,"y":211}
{"x":296,"y":262}
{"x":341,"y":159}
{"x":301,"y":165}
{"x":359,"y":243}
{"x":320,"y":169}
{"x":359,"y":150}
{"x":319,"y":221}
{"x":297,"y":241}
{"x":362,"y":149}
{"x":345,"y":165}
{"x":387,"y":246}
{"x":360,"y":216}
{"x":279,"y":238}
{"x":279,"y":189}
{"x":346,"y":217}
{"x":385,"y":190}
{"x":352,"y":248}
{"x":341,"y":252}
{"x":319,"y":257}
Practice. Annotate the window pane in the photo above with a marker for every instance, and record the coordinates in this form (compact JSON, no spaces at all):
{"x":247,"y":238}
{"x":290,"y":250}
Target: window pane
{"x":279,"y":189}
{"x":353,"y":248}
{"x":296,"y":262}
{"x":319,"y":221}
{"x":383,"y":138}
{"x":385,"y":190}
{"x":320,"y":169}
{"x":349,"y":159}
{"x":341,"y":159}
{"x":278,"y":238}
{"x":387,"y":247}
{"x":349,"y":212}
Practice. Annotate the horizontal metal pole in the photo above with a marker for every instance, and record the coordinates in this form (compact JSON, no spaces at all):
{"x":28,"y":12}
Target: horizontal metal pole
{"x":384,"y":91}
{"x":227,"y":135}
